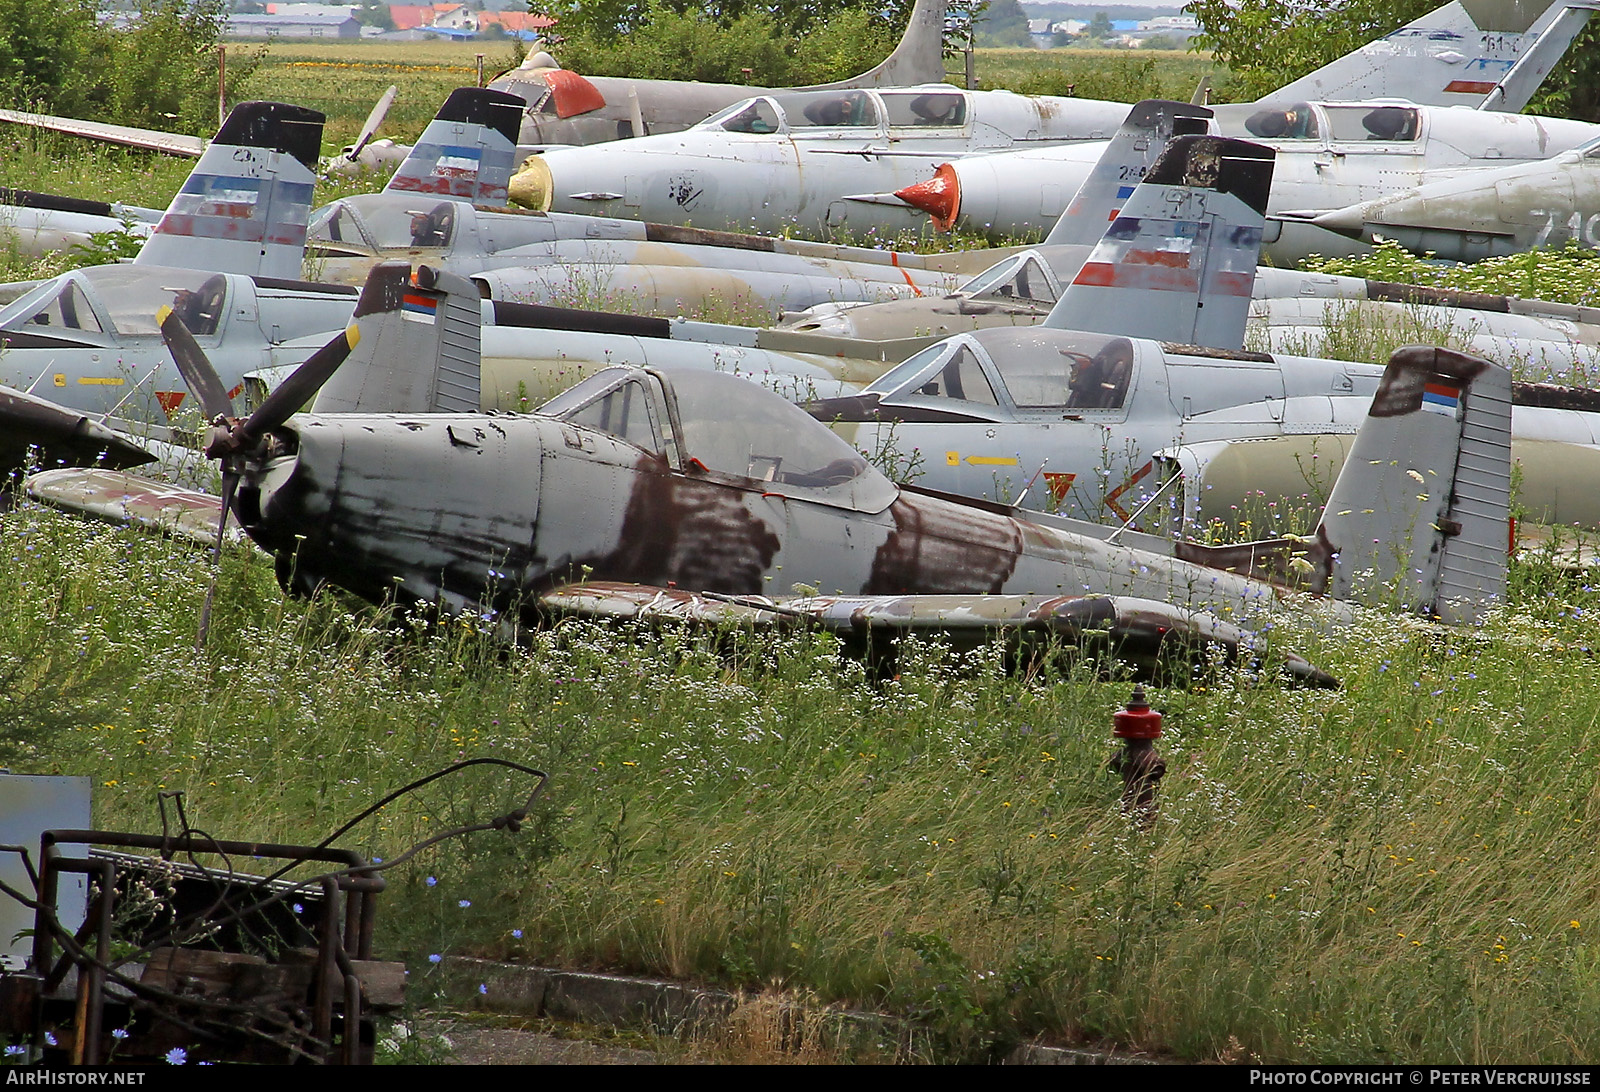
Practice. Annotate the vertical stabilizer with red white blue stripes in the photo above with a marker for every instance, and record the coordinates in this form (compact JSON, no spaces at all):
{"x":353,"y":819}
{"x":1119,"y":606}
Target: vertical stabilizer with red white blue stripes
{"x":1128,"y":157}
{"x":467,"y":150}
{"x":1178,"y":262}
{"x":1418,"y":517}
{"x":419,"y":346}
{"x":245,"y":207}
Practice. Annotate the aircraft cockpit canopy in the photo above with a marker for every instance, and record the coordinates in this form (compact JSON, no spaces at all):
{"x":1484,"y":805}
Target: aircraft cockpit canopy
{"x":1367,"y":122}
{"x":1023,"y":277}
{"x":119,"y":299}
{"x":397,"y":221}
{"x":800,"y":110}
{"x":726,"y":425}
{"x":1003,"y":374}
{"x":1296,"y":122}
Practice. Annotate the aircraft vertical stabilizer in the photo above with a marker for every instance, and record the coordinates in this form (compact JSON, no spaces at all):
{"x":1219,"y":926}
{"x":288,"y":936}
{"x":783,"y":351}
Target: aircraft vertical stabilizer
{"x":419,"y":346}
{"x":467,"y":150}
{"x":919,"y":58}
{"x":1453,"y":56}
{"x":1419,"y":515}
{"x":245,"y":207}
{"x":1182,"y":252}
{"x":1128,"y":157}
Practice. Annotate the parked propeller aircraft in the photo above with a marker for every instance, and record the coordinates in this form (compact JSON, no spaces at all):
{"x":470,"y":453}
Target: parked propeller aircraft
{"x":663,"y":493}
{"x":567,"y":108}
{"x":1485,"y":214}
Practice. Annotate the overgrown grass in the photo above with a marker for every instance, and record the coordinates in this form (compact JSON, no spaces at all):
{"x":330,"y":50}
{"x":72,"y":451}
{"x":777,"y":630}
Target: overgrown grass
{"x":1567,"y":274}
{"x":1401,"y":870}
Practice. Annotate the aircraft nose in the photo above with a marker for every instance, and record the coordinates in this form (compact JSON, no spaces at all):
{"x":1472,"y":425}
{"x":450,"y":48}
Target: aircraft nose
{"x":532,"y":187}
{"x":939,"y":196}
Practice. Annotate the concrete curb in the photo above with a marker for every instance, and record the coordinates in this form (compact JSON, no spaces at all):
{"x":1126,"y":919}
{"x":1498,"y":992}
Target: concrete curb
{"x":666,"y":1007}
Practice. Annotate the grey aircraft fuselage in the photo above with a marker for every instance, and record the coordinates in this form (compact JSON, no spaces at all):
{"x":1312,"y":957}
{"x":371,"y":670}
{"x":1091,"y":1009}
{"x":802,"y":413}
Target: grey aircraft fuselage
{"x":88,"y":339}
{"x":1291,"y":311}
{"x":811,"y":160}
{"x":1329,"y":155}
{"x":1093,"y":425}
{"x":567,"y":260}
{"x":1485,"y":214}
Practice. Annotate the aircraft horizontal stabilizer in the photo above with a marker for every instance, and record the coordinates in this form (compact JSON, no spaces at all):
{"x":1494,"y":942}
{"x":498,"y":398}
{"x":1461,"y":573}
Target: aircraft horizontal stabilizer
{"x":1142,"y":631}
{"x":124,"y":498}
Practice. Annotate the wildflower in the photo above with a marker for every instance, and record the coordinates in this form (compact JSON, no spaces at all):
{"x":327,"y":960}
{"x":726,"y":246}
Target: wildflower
{"x":435,"y":958}
{"x":177,"y":1056}
{"x":464,"y":903}
{"x":299,"y":909}
{"x":432,"y":882}
{"x":517,"y":933}
{"x":119,"y":1034}
{"x":483,"y":987}
{"x":50,"y":1038}
{"x":14,"y":1050}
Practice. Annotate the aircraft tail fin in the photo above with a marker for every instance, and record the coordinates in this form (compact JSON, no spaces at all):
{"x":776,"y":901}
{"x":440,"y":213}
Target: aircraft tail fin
{"x":919,"y":58}
{"x":1420,"y":512}
{"x":1127,"y":158}
{"x":418,"y":350}
{"x":1454,"y":55}
{"x":245,"y":207}
{"x":467,"y":150}
{"x":1555,"y":33}
{"x":1182,"y":251}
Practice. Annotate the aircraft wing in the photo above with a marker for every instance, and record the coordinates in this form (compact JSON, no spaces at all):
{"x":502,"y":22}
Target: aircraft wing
{"x":114,"y":497}
{"x":150,"y":139}
{"x":1140,"y":631}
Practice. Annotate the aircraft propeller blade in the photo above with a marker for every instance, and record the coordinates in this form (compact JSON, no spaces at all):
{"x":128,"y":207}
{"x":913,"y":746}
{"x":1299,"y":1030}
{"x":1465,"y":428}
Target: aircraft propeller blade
{"x":193,"y":365}
{"x":230,"y":484}
{"x":374,"y":119}
{"x":300,"y":387}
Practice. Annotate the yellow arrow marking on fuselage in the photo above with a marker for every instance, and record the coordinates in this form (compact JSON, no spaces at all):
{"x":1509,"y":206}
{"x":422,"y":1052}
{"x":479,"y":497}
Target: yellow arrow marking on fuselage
{"x":991,"y":460}
{"x":100,"y":380}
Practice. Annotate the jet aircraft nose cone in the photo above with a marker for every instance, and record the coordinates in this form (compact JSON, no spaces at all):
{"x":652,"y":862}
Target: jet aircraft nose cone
{"x":532,"y":187}
{"x":939,"y":196}
{"x":1351,"y":221}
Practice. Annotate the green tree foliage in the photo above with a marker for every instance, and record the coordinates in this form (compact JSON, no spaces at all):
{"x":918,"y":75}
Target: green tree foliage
{"x":780,"y":45}
{"x":1268,"y":43}
{"x":1099,"y":27}
{"x":1003,"y":24}
{"x":158,"y":71}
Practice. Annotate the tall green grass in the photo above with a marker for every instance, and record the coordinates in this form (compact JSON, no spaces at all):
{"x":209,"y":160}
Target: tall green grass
{"x":1403,"y":869}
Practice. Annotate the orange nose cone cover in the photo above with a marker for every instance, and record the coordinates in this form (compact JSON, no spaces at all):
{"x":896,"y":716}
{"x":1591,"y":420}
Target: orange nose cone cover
{"x":572,"y":94}
{"x":939,"y":196}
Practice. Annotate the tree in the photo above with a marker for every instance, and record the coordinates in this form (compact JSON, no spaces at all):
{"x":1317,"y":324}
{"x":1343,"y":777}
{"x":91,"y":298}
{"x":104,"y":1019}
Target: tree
{"x":1003,"y":24}
{"x":1100,"y":28}
{"x":784,"y":44}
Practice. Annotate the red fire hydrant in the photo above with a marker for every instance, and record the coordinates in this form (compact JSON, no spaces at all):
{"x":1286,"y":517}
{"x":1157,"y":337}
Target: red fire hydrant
{"x":1141,"y":766}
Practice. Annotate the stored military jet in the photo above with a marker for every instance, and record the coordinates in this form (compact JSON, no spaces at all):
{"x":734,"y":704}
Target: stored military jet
{"x":822,"y":160}
{"x":425,"y":218}
{"x":1330,"y":155}
{"x":568,"y":108}
{"x":662,"y":493}
{"x":227,"y":253}
{"x":36,"y":224}
{"x":1484,"y":214}
{"x":1075,"y":415}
